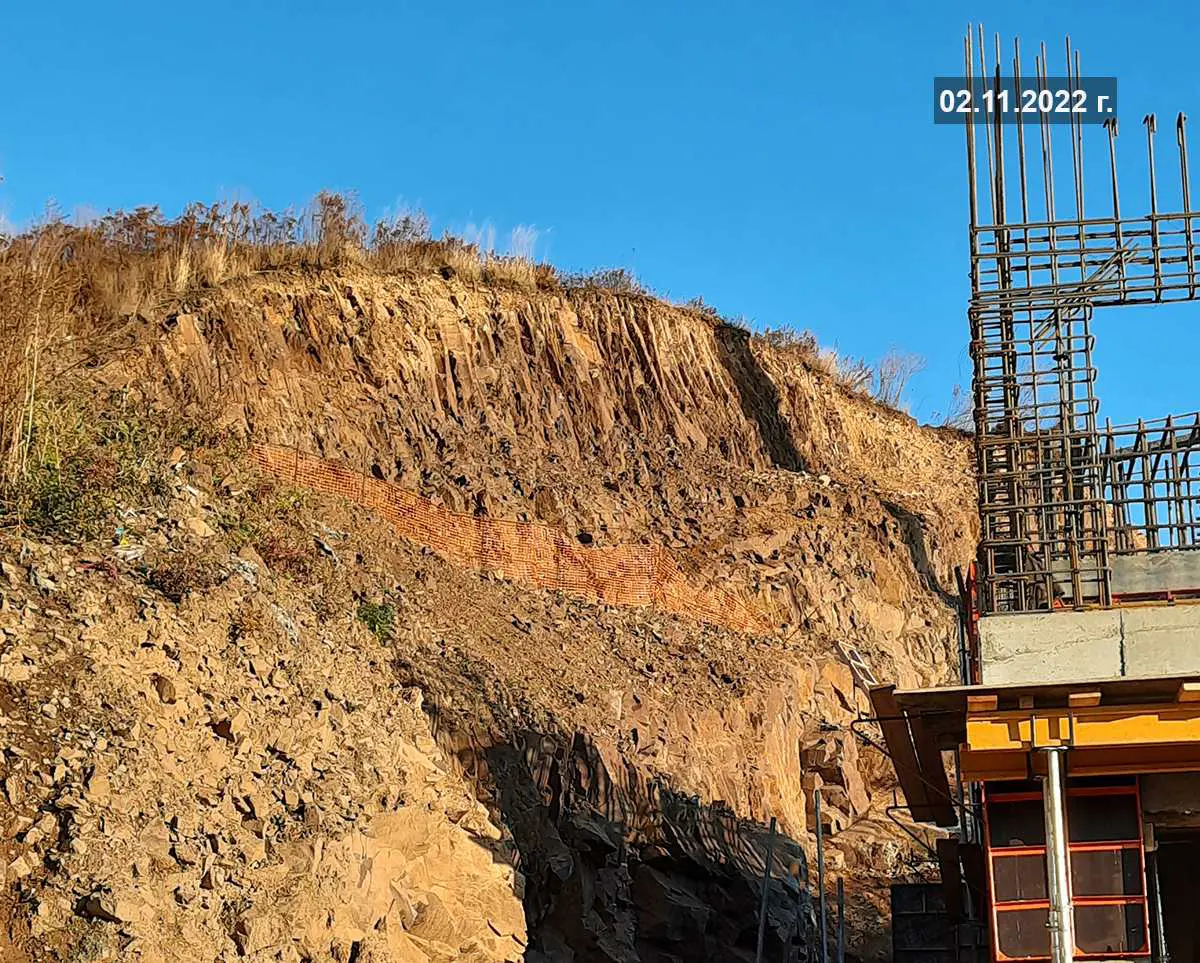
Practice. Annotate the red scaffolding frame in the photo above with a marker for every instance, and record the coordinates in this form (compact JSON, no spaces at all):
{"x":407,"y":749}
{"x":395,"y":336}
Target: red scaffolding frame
{"x":999,"y":905}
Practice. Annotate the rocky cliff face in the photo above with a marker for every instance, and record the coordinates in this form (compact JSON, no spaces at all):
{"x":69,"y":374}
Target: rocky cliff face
{"x":617,"y":419}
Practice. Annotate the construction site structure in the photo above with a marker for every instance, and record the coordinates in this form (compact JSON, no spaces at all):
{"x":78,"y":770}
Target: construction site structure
{"x":1064,"y":770}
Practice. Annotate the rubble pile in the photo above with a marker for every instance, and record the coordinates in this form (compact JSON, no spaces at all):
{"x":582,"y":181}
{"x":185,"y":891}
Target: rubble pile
{"x":213,"y":778}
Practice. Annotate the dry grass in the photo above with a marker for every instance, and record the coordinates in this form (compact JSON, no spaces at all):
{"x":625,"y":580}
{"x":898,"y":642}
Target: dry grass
{"x":67,"y":290}
{"x":36,"y":296}
{"x":893,"y":373}
{"x":854,"y":374}
{"x":886,"y":381}
{"x":959,"y":412}
{"x":617,"y":280}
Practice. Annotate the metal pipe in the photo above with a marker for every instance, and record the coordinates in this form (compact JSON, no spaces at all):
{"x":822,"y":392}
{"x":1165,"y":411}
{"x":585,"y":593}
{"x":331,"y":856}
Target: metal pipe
{"x":1058,"y":858}
{"x":821,"y":877}
{"x":1160,"y":953}
{"x":841,"y":921}
{"x":766,"y":889}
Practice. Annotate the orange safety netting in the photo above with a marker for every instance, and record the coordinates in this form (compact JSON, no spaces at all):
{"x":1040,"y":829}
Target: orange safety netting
{"x":521,"y":551}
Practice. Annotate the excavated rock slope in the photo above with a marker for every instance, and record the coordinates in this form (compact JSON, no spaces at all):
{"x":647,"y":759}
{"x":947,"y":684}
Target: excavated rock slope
{"x":295,"y":803}
{"x":616,"y":418}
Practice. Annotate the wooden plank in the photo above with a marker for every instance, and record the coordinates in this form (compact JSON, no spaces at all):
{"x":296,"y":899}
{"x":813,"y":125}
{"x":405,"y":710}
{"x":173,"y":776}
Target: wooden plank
{"x":1083,"y":700}
{"x":933,"y":773}
{"x":953,"y":699}
{"x":902,"y":750}
{"x":983,"y":766}
{"x":974,"y":867}
{"x":952,"y":890}
{"x":988,"y":702}
{"x":1188,"y":692}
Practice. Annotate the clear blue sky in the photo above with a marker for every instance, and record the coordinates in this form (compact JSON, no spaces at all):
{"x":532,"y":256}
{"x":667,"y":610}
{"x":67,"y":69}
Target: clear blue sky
{"x":777,"y":158}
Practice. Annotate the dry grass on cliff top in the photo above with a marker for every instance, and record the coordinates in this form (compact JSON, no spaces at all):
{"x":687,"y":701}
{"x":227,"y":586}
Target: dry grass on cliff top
{"x":68,"y":292}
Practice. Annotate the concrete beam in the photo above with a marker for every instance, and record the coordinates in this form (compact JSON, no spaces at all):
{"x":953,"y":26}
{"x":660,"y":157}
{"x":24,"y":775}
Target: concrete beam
{"x":1050,"y":647}
{"x":1135,"y":642}
{"x":1155,"y":572}
{"x":1161,"y":639}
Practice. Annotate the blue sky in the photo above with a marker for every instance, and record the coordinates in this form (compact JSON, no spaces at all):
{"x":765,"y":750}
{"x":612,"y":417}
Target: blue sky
{"x":778,"y":159}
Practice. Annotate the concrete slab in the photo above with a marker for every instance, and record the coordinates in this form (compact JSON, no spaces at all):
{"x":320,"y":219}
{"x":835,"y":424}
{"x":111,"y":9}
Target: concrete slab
{"x":1161,"y":640}
{"x":1050,"y":647}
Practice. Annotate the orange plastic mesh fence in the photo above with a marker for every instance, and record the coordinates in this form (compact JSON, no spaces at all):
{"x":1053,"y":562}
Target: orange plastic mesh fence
{"x":521,"y":551}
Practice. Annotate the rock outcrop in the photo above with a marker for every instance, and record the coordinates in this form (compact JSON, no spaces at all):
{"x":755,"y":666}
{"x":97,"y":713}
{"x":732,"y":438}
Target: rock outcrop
{"x":298,"y":734}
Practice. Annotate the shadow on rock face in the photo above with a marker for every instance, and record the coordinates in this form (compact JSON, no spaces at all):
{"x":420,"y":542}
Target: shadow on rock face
{"x":621,"y":870}
{"x":758,"y":397}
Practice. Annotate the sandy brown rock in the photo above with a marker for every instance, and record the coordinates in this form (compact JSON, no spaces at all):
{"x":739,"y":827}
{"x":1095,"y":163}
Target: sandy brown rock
{"x":235,"y":764}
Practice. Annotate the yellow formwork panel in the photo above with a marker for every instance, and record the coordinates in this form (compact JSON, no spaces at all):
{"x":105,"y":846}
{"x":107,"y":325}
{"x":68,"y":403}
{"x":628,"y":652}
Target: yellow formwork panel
{"x":1096,"y":727}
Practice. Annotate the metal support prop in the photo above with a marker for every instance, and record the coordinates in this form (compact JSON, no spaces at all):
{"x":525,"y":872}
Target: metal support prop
{"x":821,"y":877}
{"x":1158,"y":934}
{"x":766,"y":889}
{"x":1058,"y":859}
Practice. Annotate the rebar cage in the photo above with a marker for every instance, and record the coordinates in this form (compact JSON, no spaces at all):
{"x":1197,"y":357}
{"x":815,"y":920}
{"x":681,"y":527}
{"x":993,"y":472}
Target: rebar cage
{"x":1151,"y":476}
{"x":1059,"y":498}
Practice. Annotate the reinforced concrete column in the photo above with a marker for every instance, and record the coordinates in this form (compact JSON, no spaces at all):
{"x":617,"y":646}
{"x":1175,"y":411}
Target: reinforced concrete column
{"x":1058,"y":857}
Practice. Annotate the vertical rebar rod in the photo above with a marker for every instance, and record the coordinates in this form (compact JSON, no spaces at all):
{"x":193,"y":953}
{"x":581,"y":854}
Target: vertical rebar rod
{"x":821,"y":877}
{"x":1001,"y":200}
{"x":1058,"y":859}
{"x":1149,"y":516}
{"x":1151,"y":127}
{"x":1048,"y":170}
{"x":1020,"y":128}
{"x":1047,"y":145}
{"x":1021,"y":158}
{"x":841,"y":921}
{"x":987,"y":128}
{"x":973,"y":193}
{"x":1077,"y":132}
{"x":1174,"y":487}
{"x":766,"y":891}
{"x":1110,"y":125}
{"x":1181,"y":140}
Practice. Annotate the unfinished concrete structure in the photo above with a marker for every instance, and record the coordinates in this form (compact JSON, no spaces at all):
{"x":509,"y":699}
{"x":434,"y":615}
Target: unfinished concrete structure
{"x":1074,"y":821}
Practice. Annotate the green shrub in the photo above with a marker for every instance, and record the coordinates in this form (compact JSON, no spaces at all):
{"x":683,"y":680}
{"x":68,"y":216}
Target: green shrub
{"x":379,"y":617}
{"x":80,"y":466}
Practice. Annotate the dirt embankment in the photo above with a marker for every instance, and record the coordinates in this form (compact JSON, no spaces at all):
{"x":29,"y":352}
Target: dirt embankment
{"x":286,"y":780}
